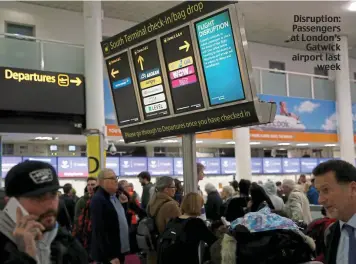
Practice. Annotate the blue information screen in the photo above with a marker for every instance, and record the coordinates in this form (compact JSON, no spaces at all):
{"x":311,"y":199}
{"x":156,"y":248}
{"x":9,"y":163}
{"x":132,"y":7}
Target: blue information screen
{"x":308,"y":164}
{"x":8,"y":163}
{"x":272,"y":165}
{"x":256,"y":166}
{"x":291,"y":165}
{"x":72,"y":167}
{"x":212,"y":165}
{"x":160,"y":166}
{"x":178,"y":166}
{"x":50,"y":160}
{"x":219,"y":58}
{"x":228,"y":166}
{"x":132,"y":166}
{"x":113,"y":163}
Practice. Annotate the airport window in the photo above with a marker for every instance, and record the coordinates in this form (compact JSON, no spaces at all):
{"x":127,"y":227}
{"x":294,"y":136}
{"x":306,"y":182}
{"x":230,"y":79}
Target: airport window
{"x":277,"y":65}
{"x":20,"y":29}
{"x":322,"y":72}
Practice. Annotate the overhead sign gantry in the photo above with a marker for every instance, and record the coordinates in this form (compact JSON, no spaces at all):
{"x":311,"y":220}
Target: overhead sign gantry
{"x":184,"y":71}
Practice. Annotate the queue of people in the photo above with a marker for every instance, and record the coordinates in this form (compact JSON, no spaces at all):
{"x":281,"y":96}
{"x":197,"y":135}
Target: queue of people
{"x":237,"y":225}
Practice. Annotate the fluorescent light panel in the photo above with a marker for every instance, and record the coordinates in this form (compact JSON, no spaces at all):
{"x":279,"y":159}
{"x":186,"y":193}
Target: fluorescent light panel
{"x":302,"y":144}
{"x":330,"y":145}
{"x":352,"y":7}
{"x":283,"y":144}
{"x":255,"y":143}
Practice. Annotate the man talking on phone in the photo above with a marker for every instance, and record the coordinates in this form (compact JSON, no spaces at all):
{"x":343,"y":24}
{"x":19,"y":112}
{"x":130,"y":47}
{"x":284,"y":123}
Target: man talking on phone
{"x":29,"y":232}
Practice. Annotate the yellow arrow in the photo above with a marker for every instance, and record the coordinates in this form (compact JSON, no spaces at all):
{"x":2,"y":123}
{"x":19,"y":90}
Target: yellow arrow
{"x":140,"y":60}
{"x":186,"y":46}
{"x":77,"y":81}
{"x":113,"y":72}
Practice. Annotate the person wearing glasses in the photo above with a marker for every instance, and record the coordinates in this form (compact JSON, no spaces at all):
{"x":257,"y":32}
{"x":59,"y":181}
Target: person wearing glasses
{"x":163,"y":208}
{"x":109,"y":219}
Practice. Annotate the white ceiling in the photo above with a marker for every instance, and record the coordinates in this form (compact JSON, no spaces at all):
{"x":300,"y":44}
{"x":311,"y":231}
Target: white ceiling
{"x":268,"y":22}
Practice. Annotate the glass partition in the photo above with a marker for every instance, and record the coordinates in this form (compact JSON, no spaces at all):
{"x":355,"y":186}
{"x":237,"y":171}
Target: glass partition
{"x":299,"y":85}
{"x":20,"y":53}
{"x":71,"y":58}
{"x":274,"y":83}
{"x":324,"y":89}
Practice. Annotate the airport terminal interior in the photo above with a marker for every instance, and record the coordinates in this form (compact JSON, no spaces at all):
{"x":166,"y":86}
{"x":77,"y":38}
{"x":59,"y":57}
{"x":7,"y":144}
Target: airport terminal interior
{"x":263,"y":91}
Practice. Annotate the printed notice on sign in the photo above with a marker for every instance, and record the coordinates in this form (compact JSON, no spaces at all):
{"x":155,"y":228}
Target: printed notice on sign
{"x":219,"y":59}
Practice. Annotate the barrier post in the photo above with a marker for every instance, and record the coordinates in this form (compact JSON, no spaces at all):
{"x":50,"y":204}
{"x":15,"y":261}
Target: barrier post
{"x":190,"y":175}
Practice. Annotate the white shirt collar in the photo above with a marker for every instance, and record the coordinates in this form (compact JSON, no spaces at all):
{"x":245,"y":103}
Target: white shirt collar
{"x":351,"y":222}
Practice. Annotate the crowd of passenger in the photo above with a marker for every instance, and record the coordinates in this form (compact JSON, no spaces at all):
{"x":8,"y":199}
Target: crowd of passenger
{"x":245,"y":222}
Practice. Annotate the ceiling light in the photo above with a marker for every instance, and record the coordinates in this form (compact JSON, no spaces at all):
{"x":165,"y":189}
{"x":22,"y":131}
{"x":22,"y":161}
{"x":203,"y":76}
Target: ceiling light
{"x":199,"y":141}
{"x":230,"y":143}
{"x":330,"y":145}
{"x":283,"y":144}
{"x":352,"y":7}
{"x":121,"y":140}
{"x":170,"y":141}
{"x":44,"y":138}
{"x":302,"y":144}
{"x":255,"y":143}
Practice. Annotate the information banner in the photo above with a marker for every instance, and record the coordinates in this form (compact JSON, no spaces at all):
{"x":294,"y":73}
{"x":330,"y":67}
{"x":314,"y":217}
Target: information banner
{"x":257,"y":165}
{"x":178,"y":166}
{"x":228,"y":166}
{"x":272,"y":166}
{"x":212,"y":165}
{"x":182,"y":71}
{"x":132,"y":166}
{"x":150,"y":80}
{"x":219,"y":58}
{"x":160,"y":166}
{"x":113,"y":163}
{"x":72,"y":167}
{"x":123,"y":90}
{"x":50,"y":160}
{"x":291,"y":166}
{"x":308,"y":164}
{"x":8,"y":163}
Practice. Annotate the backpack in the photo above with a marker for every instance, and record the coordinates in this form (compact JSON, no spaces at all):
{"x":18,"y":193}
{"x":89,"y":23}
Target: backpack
{"x":270,"y":247}
{"x":147,"y":232}
{"x":171,"y":240}
{"x":82,"y":229}
{"x":317,"y":231}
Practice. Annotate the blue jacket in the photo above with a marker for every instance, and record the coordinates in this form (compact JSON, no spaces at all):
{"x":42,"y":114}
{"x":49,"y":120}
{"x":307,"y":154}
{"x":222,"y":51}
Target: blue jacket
{"x":105,"y":242}
{"x":313,"y":195}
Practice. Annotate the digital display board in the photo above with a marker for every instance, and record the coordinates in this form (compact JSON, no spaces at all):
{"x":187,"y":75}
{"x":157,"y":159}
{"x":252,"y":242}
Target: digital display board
{"x":212,"y":165}
{"x":50,"y":160}
{"x":41,"y":91}
{"x":113,"y":163}
{"x":72,"y":167}
{"x":308,"y":164}
{"x":219,"y":58}
{"x":7,"y":163}
{"x":291,"y":165}
{"x":228,"y":166}
{"x":321,"y":160}
{"x":132,"y":166}
{"x":160,"y":166}
{"x":150,"y":80}
{"x":272,"y":165}
{"x":178,"y":166}
{"x":182,"y":71}
{"x":123,"y":90}
{"x":256,"y":166}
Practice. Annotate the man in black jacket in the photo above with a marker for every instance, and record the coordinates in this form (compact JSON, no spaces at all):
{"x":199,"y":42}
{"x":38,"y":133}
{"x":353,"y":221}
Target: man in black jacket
{"x":109,"y":219}
{"x":33,"y":235}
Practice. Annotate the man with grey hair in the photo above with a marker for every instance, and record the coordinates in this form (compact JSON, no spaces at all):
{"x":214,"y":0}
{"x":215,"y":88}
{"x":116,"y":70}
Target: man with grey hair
{"x":109,"y":219}
{"x":162,"y":207}
{"x":297,"y":206}
{"x":213,"y":203}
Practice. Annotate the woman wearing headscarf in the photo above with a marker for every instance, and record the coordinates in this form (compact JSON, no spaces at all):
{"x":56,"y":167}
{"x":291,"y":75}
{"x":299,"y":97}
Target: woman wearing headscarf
{"x":271,"y":190}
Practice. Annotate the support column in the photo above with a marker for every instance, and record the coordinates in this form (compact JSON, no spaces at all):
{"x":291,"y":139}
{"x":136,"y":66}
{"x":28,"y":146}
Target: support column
{"x":242,"y":153}
{"x":190,"y":175}
{"x":94,"y":86}
{"x":344,"y":104}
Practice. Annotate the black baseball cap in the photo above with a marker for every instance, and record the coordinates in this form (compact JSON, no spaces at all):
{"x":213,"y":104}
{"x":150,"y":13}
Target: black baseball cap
{"x":31,"y":178}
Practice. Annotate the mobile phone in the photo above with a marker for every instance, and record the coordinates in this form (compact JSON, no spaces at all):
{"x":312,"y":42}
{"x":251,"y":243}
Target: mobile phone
{"x":11,"y":207}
